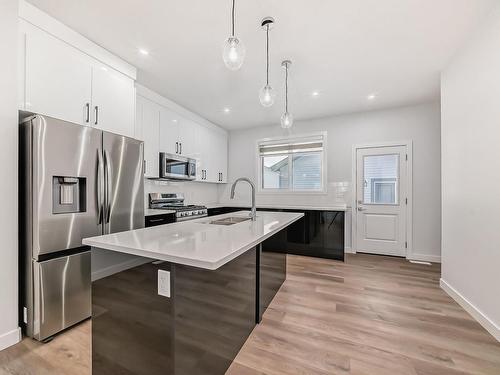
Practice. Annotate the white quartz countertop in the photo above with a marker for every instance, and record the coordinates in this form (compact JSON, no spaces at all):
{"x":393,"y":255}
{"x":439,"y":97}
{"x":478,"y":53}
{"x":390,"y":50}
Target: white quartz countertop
{"x":338,"y":207}
{"x":196,"y":242}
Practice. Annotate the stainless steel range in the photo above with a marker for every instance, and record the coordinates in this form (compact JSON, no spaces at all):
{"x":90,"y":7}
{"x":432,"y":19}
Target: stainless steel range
{"x":175,"y":202}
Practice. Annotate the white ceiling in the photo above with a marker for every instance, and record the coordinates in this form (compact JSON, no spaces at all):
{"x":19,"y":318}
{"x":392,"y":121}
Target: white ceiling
{"x":346,"y":50}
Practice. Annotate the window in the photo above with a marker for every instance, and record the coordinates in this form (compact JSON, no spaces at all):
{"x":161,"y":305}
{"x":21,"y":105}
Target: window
{"x":292,"y":164}
{"x":381,"y":175}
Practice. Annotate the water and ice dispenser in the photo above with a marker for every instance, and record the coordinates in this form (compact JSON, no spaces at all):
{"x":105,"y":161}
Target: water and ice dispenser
{"x":68,"y":194}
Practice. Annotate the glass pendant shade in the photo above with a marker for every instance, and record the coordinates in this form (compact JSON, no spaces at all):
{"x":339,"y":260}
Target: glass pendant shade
{"x":233,"y":53}
{"x":267,"y":96}
{"x":286,"y":120}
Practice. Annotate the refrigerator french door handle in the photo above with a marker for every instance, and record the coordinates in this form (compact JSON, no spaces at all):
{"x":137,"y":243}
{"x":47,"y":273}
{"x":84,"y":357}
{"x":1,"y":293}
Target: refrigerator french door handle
{"x":100,"y":187}
{"x":107,"y":181}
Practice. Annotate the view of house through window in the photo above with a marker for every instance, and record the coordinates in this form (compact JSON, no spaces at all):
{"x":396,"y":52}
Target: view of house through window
{"x":381,"y":175}
{"x":292,"y":164}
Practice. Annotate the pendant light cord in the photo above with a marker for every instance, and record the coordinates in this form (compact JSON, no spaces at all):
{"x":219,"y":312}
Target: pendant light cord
{"x":286,"y":88}
{"x":267,"y":55}
{"x":232,"y":20}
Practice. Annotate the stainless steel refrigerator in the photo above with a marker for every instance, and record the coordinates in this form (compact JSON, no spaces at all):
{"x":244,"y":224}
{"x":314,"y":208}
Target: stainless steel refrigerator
{"x":75,"y":182}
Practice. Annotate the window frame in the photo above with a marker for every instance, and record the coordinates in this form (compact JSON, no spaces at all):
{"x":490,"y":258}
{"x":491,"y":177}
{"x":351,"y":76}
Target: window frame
{"x":289,"y":190}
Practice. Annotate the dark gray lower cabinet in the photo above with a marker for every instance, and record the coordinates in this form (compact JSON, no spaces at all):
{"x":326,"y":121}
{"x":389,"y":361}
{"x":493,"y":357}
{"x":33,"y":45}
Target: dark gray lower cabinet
{"x":154,"y":220}
{"x":317,"y":234}
{"x":271,"y":274}
{"x":198,"y":330}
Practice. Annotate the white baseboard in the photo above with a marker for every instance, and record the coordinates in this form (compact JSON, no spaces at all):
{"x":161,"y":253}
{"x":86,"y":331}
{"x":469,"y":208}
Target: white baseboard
{"x":348,"y":250}
{"x":425,"y":258}
{"x":477,"y":314}
{"x":10,"y":338}
{"x":119,"y":267}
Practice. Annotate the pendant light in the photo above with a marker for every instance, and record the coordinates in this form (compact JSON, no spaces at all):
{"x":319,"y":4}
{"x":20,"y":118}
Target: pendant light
{"x":267,"y":94}
{"x":286,"y":117}
{"x":233,"y":52}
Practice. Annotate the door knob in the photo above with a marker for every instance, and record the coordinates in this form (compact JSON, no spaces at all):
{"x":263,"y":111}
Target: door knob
{"x":361,"y":208}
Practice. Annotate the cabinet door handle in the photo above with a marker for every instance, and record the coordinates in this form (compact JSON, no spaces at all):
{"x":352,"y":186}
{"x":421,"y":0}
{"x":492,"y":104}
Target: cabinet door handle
{"x":87,"y":110}
{"x":155,"y":220}
{"x":96,"y":115}
{"x":180,"y":147}
{"x":176,"y":147}
{"x":144,"y":166}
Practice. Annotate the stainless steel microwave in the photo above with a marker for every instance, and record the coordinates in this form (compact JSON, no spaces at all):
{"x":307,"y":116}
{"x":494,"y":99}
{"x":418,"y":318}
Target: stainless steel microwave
{"x":176,"y":167}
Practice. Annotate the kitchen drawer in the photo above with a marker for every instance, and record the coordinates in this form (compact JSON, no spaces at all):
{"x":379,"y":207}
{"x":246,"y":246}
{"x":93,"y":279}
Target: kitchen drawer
{"x":154,"y":220}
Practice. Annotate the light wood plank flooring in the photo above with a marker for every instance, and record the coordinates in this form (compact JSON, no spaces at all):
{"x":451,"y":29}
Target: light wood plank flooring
{"x":370,"y":315}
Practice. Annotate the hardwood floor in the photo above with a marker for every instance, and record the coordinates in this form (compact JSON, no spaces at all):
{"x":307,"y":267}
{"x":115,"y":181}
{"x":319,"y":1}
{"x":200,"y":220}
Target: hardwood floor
{"x":370,"y":315}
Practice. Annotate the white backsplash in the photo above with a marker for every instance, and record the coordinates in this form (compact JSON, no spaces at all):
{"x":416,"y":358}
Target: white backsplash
{"x":194,"y":192}
{"x":337,"y":193}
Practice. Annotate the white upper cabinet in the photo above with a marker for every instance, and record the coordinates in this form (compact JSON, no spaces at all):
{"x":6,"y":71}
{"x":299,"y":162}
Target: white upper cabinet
{"x":187,"y":137}
{"x":169,"y":131}
{"x":180,"y":133}
{"x":211,"y":146}
{"x":177,"y":134}
{"x":220,"y":156}
{"x":113,"y":101}
{"x":148,"y":130}
{"x":57,"y":78}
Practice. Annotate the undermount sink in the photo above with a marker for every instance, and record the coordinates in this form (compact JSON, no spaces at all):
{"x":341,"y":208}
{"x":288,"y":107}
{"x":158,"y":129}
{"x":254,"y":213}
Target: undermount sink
{"x":229,"y":220}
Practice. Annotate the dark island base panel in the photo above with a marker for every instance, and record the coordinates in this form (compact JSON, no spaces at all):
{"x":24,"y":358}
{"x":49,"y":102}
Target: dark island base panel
{"x":318,"y":234}
{"x":199,"y":330}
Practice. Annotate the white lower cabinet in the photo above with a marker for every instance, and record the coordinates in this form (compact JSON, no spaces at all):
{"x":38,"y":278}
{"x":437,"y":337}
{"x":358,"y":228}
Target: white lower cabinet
{"x":60,"y":81}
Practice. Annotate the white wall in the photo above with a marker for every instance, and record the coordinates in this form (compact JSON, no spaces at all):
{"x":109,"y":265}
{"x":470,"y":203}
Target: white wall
{"x":470,"y":89}
{"x":420,"y":123}
{"x":9,"y":331}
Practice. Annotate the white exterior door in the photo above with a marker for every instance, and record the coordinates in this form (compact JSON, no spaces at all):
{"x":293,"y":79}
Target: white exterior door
{"x":381,"y":200}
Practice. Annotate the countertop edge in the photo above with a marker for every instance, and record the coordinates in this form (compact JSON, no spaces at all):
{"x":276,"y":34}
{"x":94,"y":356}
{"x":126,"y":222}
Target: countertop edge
{"x":191,"y":262}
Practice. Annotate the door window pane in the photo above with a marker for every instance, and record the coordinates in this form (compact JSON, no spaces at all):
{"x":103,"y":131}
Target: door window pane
{"x":275,"y":172}
{"x":381,"y":177}
{"x":307,"y":171}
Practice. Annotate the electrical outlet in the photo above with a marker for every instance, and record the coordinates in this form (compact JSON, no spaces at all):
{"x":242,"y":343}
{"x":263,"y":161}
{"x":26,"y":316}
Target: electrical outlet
{"x":164,"y":283}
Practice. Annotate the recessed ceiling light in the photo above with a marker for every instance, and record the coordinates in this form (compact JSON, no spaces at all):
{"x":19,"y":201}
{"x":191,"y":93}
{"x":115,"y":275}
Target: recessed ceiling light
{"x":227,"y":110}
{"x":315,"y":93}
{"x":371,"y":96}
{"x":174,"y":120}
{"x":144,"y":52}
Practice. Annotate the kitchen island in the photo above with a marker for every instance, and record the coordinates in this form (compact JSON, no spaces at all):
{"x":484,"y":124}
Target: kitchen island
{"x":192,"y":304}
